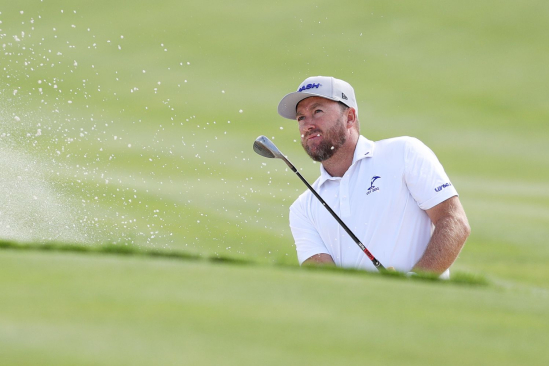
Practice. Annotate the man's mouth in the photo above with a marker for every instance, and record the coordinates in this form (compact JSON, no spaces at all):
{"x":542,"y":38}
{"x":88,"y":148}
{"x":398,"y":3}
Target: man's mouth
{"x":312,"y":136}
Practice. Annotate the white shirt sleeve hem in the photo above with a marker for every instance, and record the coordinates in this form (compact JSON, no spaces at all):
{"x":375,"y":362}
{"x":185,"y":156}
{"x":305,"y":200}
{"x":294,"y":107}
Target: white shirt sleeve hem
{"x":441,"y":197}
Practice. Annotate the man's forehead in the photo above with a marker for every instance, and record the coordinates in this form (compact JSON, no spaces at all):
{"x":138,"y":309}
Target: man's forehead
{"x":312,"y":102}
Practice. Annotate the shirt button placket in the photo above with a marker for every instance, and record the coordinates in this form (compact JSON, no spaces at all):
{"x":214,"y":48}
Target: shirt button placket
{"x":344,"y":194}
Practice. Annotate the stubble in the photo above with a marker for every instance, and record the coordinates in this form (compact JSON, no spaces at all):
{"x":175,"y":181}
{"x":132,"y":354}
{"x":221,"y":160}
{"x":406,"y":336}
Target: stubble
{"x":332,"y":140}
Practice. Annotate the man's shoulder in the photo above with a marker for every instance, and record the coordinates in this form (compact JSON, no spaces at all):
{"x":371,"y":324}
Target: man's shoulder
{"x":399,"y":146}
{"x":395,"y":147}
{"x":397,"y":141}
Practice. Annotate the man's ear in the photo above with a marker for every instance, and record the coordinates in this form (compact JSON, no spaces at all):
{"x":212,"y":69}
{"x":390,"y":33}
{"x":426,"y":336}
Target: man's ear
{"x":351,"y":117}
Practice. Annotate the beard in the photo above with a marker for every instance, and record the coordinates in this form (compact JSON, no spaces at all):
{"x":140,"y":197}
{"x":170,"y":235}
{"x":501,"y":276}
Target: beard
{"x":332,"y":140}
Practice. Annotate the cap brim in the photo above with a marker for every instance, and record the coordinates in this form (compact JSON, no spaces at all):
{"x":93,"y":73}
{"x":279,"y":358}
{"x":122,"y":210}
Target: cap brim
{"x":288,"y":104}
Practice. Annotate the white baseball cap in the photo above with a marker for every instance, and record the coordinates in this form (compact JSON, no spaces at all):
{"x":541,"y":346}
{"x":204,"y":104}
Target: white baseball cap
{"x":318,"y":86}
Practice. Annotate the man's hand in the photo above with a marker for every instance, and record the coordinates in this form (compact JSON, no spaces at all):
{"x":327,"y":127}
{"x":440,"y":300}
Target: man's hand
{"x":451,"y":231}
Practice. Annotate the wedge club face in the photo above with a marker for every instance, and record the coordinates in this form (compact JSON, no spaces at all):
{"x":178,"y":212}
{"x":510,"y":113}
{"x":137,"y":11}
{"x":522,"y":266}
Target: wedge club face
{"x":264,"y":147}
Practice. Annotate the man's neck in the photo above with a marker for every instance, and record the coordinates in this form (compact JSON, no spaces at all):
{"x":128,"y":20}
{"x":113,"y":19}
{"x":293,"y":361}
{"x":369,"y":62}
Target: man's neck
{"x":338,"y":164}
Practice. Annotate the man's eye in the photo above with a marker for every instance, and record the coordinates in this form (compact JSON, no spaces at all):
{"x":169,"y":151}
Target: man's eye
{"x":300,"y":118}
{"x":318,"y":110}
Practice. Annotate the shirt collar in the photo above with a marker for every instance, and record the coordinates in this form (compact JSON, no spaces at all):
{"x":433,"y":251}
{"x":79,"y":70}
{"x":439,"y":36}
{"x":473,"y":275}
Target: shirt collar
{"x":364,"y":149}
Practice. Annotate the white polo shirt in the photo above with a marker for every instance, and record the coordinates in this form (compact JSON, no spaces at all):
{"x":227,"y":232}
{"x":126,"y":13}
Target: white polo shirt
{"x":381,"y":198}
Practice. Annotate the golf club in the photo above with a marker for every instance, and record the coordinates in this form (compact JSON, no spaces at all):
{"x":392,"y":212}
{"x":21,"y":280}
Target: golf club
{"x":264,"y":147}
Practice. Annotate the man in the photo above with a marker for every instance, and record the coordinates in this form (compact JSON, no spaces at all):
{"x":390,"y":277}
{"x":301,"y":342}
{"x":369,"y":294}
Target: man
{"x":393,"y":194}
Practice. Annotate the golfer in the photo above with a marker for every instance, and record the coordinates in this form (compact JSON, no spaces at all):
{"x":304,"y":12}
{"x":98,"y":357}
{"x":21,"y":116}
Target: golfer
{"x":393,"y":194}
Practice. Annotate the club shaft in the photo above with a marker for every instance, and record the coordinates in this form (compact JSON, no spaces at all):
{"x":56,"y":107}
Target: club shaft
{"x":376,"y":263}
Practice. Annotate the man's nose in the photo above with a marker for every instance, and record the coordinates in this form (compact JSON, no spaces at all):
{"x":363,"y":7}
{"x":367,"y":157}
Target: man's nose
{"x":306,"y":124}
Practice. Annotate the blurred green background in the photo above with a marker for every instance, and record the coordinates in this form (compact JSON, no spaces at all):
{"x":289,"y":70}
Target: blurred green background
{"x":132,"y":122}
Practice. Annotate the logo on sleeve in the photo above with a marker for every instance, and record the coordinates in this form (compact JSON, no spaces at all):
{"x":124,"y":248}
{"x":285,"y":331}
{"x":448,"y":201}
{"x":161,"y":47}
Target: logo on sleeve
{"x":373,"y":188}
{"x":440,"y":188}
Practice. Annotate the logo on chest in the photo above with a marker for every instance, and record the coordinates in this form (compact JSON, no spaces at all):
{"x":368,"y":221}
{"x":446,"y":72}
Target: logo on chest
{"x":373,"y":188}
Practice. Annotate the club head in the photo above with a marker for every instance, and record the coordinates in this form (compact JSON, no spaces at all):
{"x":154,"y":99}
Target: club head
{"x":264,"y":147}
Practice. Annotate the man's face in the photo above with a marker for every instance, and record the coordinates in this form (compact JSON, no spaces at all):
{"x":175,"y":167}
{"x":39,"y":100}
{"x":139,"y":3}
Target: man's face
{"x":322,"y":125}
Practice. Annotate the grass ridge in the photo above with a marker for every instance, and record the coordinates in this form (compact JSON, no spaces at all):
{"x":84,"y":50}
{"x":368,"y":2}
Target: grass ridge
{"x":463,"y":278}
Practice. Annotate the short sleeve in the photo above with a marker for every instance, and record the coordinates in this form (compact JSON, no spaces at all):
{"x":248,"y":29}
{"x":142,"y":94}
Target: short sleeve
{"x":425,"y":177}
{"x":307,"y":239}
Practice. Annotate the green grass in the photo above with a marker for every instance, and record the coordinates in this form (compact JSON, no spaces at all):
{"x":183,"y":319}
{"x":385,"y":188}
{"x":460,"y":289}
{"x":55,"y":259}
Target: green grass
{"x":134,"y":310}
{"x":161,"y":160}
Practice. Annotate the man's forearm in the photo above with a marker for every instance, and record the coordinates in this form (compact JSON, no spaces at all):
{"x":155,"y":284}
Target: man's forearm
{"x":445,"y":244}
{"x":321,"y":258}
